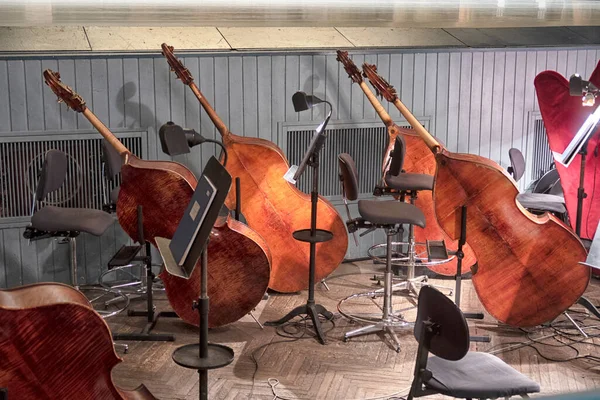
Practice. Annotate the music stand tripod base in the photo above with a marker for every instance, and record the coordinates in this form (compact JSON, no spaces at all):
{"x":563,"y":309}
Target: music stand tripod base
{"x":311,"y":309}
{"x":152,"y":316}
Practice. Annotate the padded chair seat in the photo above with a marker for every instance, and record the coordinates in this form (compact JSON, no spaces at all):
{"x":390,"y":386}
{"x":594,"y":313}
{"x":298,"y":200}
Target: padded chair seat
{"x":542,"y":202}
{"x":408,"y":181}
{"x":114,"y":194}
{"x":390,"y":213}
{"x":477,"y":375}
{"x":52,"y":218}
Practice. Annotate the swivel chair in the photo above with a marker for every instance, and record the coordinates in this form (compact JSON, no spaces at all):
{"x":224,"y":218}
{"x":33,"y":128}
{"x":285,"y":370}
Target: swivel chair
{"x":535,"y":202}
{"x":441,"y":329}
{"x":386,"y":215}
{"x":404,"y":184}
{"x":68,"y":223}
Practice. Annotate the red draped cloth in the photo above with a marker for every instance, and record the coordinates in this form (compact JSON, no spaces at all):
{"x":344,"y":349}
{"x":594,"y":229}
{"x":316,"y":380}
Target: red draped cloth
{"x":563,"y":115}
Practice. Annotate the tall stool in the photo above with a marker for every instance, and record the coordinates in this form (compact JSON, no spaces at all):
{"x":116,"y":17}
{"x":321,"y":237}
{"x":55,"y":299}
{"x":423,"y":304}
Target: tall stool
{"x":68,"y":223}
{"x":405,"y":184}
{"x":387,"y":215}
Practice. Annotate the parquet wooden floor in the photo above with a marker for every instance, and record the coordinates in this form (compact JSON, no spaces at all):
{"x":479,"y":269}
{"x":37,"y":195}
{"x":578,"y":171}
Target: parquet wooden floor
{"x":362,"y":368}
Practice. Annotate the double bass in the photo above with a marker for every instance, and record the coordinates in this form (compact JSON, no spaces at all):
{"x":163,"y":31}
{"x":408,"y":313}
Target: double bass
{"x":528,"y":269}
{"x":54,"y":345}
{"x":238,"y":258}
{"x":272,"y":206}
{"x":418,"y":160}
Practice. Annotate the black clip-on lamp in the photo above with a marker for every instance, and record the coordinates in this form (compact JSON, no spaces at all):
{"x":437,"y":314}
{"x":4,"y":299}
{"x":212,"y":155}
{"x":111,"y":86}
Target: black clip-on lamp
{"x":303,"y":102}
{"x":175,"y":140}
{"x":578,"y":145}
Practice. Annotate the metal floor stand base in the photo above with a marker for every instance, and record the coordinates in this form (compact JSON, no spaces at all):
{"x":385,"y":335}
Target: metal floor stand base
{"x":311,"y":309}
{"x":145,"y":334}
{"x":389,"y":321}
{"x":388,"y":327}
{"x":412,"y":285}
{"x":583,"y":301}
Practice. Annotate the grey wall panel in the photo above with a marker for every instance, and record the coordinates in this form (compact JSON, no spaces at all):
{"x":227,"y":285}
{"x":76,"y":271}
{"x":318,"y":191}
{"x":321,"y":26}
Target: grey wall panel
{"x":477,"y":101}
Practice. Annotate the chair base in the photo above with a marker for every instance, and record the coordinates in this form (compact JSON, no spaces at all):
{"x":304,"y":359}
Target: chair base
{"x":413,"y":285}
{"x":105,"y":300}
{"x":388,"y":326}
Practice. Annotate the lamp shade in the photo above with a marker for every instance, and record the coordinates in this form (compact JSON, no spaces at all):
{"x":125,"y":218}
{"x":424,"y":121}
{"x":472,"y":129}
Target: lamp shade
{"x":303,"y":101}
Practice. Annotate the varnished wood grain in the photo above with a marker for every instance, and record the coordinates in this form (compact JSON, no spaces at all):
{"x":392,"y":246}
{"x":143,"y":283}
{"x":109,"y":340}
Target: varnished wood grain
{"x":238,"y":258}
{"x":273,"y":207}
{"x":528,"y":271}
{"x":418,"y":160}
{"x":360,"y":368}
{"x":53,"y":345}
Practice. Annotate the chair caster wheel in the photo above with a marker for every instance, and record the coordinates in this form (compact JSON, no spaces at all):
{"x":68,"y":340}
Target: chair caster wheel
{"x":346,"y":339}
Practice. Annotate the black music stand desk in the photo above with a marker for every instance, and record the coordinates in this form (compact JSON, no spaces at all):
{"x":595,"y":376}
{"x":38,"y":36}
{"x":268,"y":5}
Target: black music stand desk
{"x":180,"y":255}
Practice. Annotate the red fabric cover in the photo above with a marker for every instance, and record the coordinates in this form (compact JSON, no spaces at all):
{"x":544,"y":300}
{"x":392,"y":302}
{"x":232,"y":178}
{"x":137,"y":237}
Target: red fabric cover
{"x":563,"y":115}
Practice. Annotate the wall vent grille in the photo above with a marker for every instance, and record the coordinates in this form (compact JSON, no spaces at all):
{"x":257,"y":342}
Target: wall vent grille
{"x":21,"y":161}
{"x":364,"y":143}
{"x":542,"y":156}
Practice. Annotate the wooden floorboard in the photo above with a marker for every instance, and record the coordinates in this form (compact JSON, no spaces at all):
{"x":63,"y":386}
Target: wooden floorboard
{"x":362,"y":368}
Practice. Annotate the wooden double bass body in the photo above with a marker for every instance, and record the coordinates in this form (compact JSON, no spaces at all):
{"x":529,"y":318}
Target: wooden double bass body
{"x":53,"y":345}
{"x":528,"y":269}
{"x":238,"y":258}
{"x":418,"y":160}
{"x":272,"y":206}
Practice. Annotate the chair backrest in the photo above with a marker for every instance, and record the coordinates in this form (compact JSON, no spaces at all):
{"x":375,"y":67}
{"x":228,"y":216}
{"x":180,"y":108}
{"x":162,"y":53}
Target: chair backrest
{"x":398,"y":154}
{"x":549,"y":183}
{"x":451,"y":341}
{"x":517,"y":163}
{"x":348,"y":176}
{"x":111,"y":159}
{"x":53,"y":174}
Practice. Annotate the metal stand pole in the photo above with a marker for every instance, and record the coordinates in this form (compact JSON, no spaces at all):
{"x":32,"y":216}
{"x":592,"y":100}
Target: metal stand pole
{"x":581,"y":190}
{"x":312,"y":236}
{"x":152,"y":316}
{"x":458,"y":277}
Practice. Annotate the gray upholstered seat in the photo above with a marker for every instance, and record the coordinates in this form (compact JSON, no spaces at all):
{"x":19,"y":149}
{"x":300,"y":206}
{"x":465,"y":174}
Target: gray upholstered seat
{"x":52,"y":219}
{"x":409,"y":181}
{"x":477,"y":375}
{"x":396,"y":179}
{"x":542,"y":202}
{"x":390,"y":213}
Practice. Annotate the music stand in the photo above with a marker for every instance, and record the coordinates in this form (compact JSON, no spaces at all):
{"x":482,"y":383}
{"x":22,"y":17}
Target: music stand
{"x":579,"y":145}
{"x":312,"y":235}
{"x":180,"y":255}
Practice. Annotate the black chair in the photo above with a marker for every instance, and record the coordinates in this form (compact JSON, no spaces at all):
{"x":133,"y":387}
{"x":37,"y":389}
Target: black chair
{"x":405,"y":184}
{"x":453,"y":370}
{"x":535,"y":202}
{"x":67,"y":223}
{"x":387,"y":215}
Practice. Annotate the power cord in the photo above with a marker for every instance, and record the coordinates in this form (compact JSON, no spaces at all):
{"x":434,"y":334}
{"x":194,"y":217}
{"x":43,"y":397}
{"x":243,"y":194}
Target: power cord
{"x":295,"y":330}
